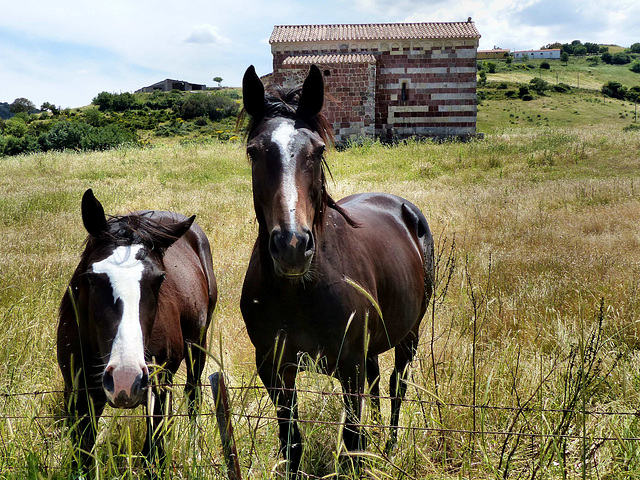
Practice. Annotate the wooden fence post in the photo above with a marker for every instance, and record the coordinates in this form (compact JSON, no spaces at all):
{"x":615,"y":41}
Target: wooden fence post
{"x":223,"y":415}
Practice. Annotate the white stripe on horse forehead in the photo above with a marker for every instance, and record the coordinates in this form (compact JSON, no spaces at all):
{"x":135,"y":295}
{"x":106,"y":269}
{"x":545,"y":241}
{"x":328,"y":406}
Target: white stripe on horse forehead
{"x":124,"y":271}
{"x":283,"y":137}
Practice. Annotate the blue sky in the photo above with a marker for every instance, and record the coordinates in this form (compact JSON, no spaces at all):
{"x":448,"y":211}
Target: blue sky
{"x":68,"y":51}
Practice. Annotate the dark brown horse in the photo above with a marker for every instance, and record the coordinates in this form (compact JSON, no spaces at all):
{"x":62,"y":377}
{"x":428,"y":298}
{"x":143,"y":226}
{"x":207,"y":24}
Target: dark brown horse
{"x":296,"y":297}
{"x":143,"y":292}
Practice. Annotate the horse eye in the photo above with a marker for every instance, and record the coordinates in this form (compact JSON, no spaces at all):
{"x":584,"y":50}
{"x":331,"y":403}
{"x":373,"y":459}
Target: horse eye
{"x":252,"y":152}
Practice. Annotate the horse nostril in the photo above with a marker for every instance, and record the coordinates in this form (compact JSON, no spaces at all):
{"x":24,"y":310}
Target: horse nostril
{"x":140,"y":384}
{"x":310,"y":243}
{"x":274,"y":250}
{"x":107,"y":381}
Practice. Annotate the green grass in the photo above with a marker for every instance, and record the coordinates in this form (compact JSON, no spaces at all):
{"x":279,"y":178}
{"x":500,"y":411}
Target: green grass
{"x":540,"y":224}
{"x":585,"y":106}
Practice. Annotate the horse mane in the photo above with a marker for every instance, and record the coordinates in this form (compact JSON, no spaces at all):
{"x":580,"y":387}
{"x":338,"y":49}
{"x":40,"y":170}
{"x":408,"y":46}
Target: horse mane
{"x":283,"y":102}
{"x":133,"y":229}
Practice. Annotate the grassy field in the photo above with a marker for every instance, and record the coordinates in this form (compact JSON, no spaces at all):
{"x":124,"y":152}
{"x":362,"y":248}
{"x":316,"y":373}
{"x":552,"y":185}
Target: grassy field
{"x":528,"y":361}
{"x":583,"y":106}
{"x":532,"y":369}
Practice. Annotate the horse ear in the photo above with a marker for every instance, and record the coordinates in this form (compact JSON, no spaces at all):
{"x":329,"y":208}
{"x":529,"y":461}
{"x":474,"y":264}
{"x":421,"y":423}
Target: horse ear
{"x":93,"y":216}
{"x":253,"y":93}
{"x":312,"y":97}
{"x":175,"y":231}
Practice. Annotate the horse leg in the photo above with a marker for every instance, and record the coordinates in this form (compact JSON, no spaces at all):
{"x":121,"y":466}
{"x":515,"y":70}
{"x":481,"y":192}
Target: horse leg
{"x":281,"y":386}
{"x":373,"y":379}
{"x":352,"y":379}
{"x":157,"y":425}
{"x":404,"y":353}
{"x":84,"y":412}
{"x":195,"y":360}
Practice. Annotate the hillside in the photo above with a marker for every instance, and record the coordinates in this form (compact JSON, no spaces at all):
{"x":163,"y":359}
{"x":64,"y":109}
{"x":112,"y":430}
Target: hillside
{"x":583,"y":105}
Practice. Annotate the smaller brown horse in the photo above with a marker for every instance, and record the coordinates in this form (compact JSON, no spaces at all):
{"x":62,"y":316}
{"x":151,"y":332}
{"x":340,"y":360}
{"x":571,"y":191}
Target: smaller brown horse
{"x":295,"y":297}
{"x":144,"y":291}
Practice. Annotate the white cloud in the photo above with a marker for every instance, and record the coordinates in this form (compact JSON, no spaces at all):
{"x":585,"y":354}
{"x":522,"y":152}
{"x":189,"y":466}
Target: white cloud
{"x":121,"y":45}
{"x":207,"y":35}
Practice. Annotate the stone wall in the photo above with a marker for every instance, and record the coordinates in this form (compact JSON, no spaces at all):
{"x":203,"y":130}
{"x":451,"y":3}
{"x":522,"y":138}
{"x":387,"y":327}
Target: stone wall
{"x":350,"y":98}
{"x":390,"y":90}
{"x":439,"y":92}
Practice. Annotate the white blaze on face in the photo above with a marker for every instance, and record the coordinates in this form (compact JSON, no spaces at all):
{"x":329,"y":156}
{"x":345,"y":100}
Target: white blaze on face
{"x":125,"y":272}
{"x":283,"y":137}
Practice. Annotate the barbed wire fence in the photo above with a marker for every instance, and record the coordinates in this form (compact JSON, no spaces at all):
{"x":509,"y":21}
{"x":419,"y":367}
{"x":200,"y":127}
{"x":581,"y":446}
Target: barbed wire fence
{"x":240,"y":414}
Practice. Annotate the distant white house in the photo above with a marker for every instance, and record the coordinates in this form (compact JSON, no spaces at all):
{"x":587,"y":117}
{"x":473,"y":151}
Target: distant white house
{"x":552,"y":53}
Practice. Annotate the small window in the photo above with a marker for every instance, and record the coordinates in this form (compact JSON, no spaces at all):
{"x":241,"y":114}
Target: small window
{"x":404,"y":91}
{"x":327,"y":73}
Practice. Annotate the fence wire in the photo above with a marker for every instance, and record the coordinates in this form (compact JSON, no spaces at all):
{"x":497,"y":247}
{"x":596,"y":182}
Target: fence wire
{"x":366,"y":396}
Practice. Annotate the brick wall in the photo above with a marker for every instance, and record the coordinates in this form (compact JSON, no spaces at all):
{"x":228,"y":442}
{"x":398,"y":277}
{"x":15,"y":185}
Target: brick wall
{"x":439,"y":92}
{"x":367,"y":99}
{"x":350,"y":95}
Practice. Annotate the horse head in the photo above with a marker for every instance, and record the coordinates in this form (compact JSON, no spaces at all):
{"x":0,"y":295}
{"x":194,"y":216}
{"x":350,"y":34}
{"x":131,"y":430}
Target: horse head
{"x":286,"y":144}
{"x":118,"y":293}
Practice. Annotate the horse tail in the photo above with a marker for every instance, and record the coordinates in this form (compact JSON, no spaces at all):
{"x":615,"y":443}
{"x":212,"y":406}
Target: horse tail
{"x":419,"y":227}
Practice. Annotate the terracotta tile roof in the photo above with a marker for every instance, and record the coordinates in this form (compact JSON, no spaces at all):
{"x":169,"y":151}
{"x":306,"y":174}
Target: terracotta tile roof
{"x":329,"y":58}
{"x":372,"y":31}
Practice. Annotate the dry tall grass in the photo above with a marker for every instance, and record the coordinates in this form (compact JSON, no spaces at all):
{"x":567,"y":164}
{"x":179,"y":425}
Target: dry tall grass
{"x":536,"y":229}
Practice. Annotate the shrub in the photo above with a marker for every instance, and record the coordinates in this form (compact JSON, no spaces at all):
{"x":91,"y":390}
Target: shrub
{"x":482,"y":80}
{"x":94,"y":117}
{"x":523,"y":90}
{"x":620,"y":58}
{"x":15,"y":127}
{"x":527,"y":98}
{"x":491,"y":67}
{"x":545,"y":65}
{"x":614,"y":90}
{"x":635,"y":66}
{"x":14,"y":145}
{"x":215,"y":107}
{"x":539,"y":85}
{"x":104,"y":138}
{"x":562,"y":88}
{"x":606,"y":57}
{"x":64,"y":135}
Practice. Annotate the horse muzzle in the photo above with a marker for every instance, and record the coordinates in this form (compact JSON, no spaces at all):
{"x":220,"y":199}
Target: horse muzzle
{"x":125,"y":387}
{"x":292,"y":251}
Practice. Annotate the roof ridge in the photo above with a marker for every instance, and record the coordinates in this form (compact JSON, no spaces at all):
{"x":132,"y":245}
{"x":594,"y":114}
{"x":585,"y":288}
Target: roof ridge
{"x":373,"y":31}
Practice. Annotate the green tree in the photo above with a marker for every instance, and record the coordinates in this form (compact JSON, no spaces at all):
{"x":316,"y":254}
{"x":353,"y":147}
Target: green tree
{"x":580,"y":50}
{"x":50,"y":107}
{"x":635,"y":48}
{"x":22,"y":105}
{"x":592,"y":48}
{"x":482,"y":80}
{"x":218,"y":80}
{"x":564,"y":58}
{"x":104,"y":101}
